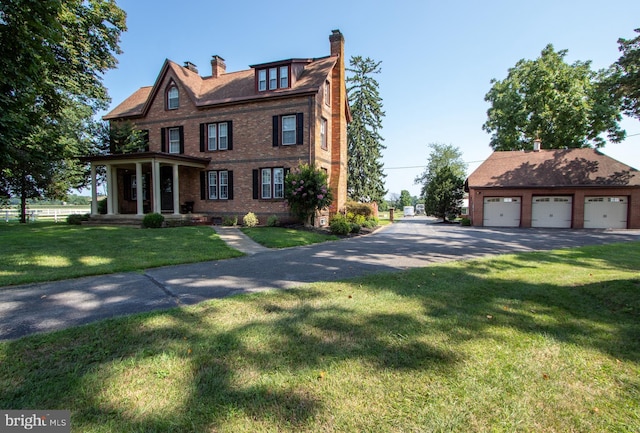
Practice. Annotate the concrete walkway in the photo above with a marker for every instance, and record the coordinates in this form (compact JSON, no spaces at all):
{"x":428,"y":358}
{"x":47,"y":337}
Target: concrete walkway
{"x":234,"y":237}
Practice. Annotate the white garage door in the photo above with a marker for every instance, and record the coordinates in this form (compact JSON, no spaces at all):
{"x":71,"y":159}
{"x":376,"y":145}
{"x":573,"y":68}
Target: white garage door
{"x":551,"y":211}
{"x":605,"y":212}
{"x":501,"y":212}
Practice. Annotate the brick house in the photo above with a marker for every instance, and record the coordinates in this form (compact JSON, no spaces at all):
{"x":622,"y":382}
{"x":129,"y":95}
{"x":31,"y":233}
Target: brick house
{"x":570,"y":188}
{"x":221,"y":145}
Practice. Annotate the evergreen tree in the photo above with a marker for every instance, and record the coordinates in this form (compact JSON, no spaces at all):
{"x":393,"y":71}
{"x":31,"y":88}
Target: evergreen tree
{"x":444,"y":194}
{"x":441,"y":155}
{"x":365,"y":177}
{"x":53,"y":55}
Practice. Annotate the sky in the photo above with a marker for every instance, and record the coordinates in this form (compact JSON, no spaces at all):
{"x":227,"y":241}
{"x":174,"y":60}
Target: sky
{"x":437,"y":57}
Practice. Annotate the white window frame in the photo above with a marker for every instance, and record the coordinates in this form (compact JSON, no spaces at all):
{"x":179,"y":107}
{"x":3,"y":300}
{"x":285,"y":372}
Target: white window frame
{"x":223,"y":184}
{"x":212,"y":136}
{"x":287,"y":133}
{"x":283,"y":79}
{"x":262,"y":80}
{"x":278,"y":182}
{"x":273,"y":78}
{"x":173,"y":98}
{"x":327,"y":92}
{"x":218,"y":136}
{"x":174,"y":140}
{"x":323,"y":134}
{"x":213,"y":185}
{"x":265,"y":179}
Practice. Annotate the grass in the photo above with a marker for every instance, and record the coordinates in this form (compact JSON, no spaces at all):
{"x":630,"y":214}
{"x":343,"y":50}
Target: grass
{"x":529,"y":342}
{"x":47,"y":251}
{"x":278,"y":237}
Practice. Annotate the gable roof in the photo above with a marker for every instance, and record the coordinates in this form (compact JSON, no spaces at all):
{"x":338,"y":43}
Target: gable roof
{"x":552,"y":168}
{"x":227,"y":88}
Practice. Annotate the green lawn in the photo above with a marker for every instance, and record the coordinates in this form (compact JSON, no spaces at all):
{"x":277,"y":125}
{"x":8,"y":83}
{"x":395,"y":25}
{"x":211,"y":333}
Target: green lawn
{"x":279,"y":237}
{"x":537,"y":342}
{"x":48,"y":251}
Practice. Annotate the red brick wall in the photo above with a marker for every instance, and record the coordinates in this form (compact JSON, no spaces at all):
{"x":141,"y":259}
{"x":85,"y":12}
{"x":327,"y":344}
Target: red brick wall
{"x":477,"y":195}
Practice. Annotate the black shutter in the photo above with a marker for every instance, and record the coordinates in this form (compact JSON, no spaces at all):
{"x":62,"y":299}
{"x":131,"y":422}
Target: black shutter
{"x":256,"y":192}
{"x":202,"y":126}
{"x":145,"y":139}
{"x":230,"y":184}
{"x":276,"y":132}
{"x":203,"y":186}
{"x":181,"y":132}
{"x":163,"y":140}
{"x":299,"y":128}
{"x":230,"y":135}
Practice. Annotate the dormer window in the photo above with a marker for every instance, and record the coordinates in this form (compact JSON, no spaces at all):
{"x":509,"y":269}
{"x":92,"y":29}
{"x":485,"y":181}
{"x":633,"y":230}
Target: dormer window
{"x":173,"y":98}
{"x":273,"y":78}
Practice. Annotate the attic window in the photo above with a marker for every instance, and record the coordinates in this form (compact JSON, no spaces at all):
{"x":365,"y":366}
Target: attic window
{"x":273,"y":78}
{"x":173,"y":98}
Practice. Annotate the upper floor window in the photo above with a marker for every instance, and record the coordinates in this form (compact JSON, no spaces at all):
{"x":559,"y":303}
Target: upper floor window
{"x":173,"y":98}
{"x":274,"y":78}
{"x":327,"y":93}
{"x":288,"y":129}
{"x":216,"y":136}
{"x":262,"y":80}
{"x":172,"y":140}
{"x":323,"y":133}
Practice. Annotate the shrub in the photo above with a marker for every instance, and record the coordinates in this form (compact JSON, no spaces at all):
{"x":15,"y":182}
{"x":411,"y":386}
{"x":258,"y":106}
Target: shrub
{"x":250,"y":220}
{"x":307,"y":191}
{"x":465,"y":222}
{"x":230,"y":221}
{"x":356,"y":218}
{"x":356,"y":208}
{"x":273,"y":221}
{"x":355,"y":228}
{"x":339,"y":225}
{"x":75,"y":219}
{"x":371,"y":223}
{"x":152,"y":221}
{"x":102,"y":206}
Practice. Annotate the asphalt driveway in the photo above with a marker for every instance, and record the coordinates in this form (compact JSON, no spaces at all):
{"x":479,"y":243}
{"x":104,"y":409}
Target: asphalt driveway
{"x":412,"y":242}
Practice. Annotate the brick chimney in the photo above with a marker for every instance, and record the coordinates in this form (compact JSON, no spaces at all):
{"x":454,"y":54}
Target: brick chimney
{"x":190,"y":66}
{"x":218,"y":67}
{"x":337,"y":43}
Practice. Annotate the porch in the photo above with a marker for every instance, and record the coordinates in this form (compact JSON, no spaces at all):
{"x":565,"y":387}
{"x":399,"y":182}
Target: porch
{"x":144,"y":182}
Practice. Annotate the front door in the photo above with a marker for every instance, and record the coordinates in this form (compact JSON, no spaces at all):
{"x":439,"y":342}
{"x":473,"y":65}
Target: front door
{"x":166,"y":189}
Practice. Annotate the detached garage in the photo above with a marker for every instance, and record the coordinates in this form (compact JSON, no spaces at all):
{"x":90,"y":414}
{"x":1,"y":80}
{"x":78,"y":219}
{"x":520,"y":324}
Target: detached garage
{"x":562,"y":188}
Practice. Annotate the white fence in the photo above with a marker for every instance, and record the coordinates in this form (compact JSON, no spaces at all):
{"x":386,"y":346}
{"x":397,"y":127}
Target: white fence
{"x":57,"y":214}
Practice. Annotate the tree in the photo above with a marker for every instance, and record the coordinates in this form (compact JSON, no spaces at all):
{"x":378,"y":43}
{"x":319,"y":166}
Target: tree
{"x":444,"y":194}
{"x":307,"y":191}
{"x":405,"y":199}
{"x":566,"y":106}
{"x":441,"y":155}
{"x":365,"y":181}
{"x":54,"y":53}
{"x":628,"y":82}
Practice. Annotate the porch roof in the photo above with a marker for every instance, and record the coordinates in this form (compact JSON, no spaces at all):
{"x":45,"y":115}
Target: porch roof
{"x":145,"y":157}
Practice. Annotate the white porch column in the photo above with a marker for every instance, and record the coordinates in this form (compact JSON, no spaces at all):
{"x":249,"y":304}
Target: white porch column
{"x":113,"y":191}
{"x":155,"y":174}
{"x":94,"y":191}
{"x":176,"y":190}
{"x":139,"y":185}
{"x":110,"y":187}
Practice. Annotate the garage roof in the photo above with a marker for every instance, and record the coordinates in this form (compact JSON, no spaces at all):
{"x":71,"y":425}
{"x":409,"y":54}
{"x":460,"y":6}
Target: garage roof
{"x":552,"y":168}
